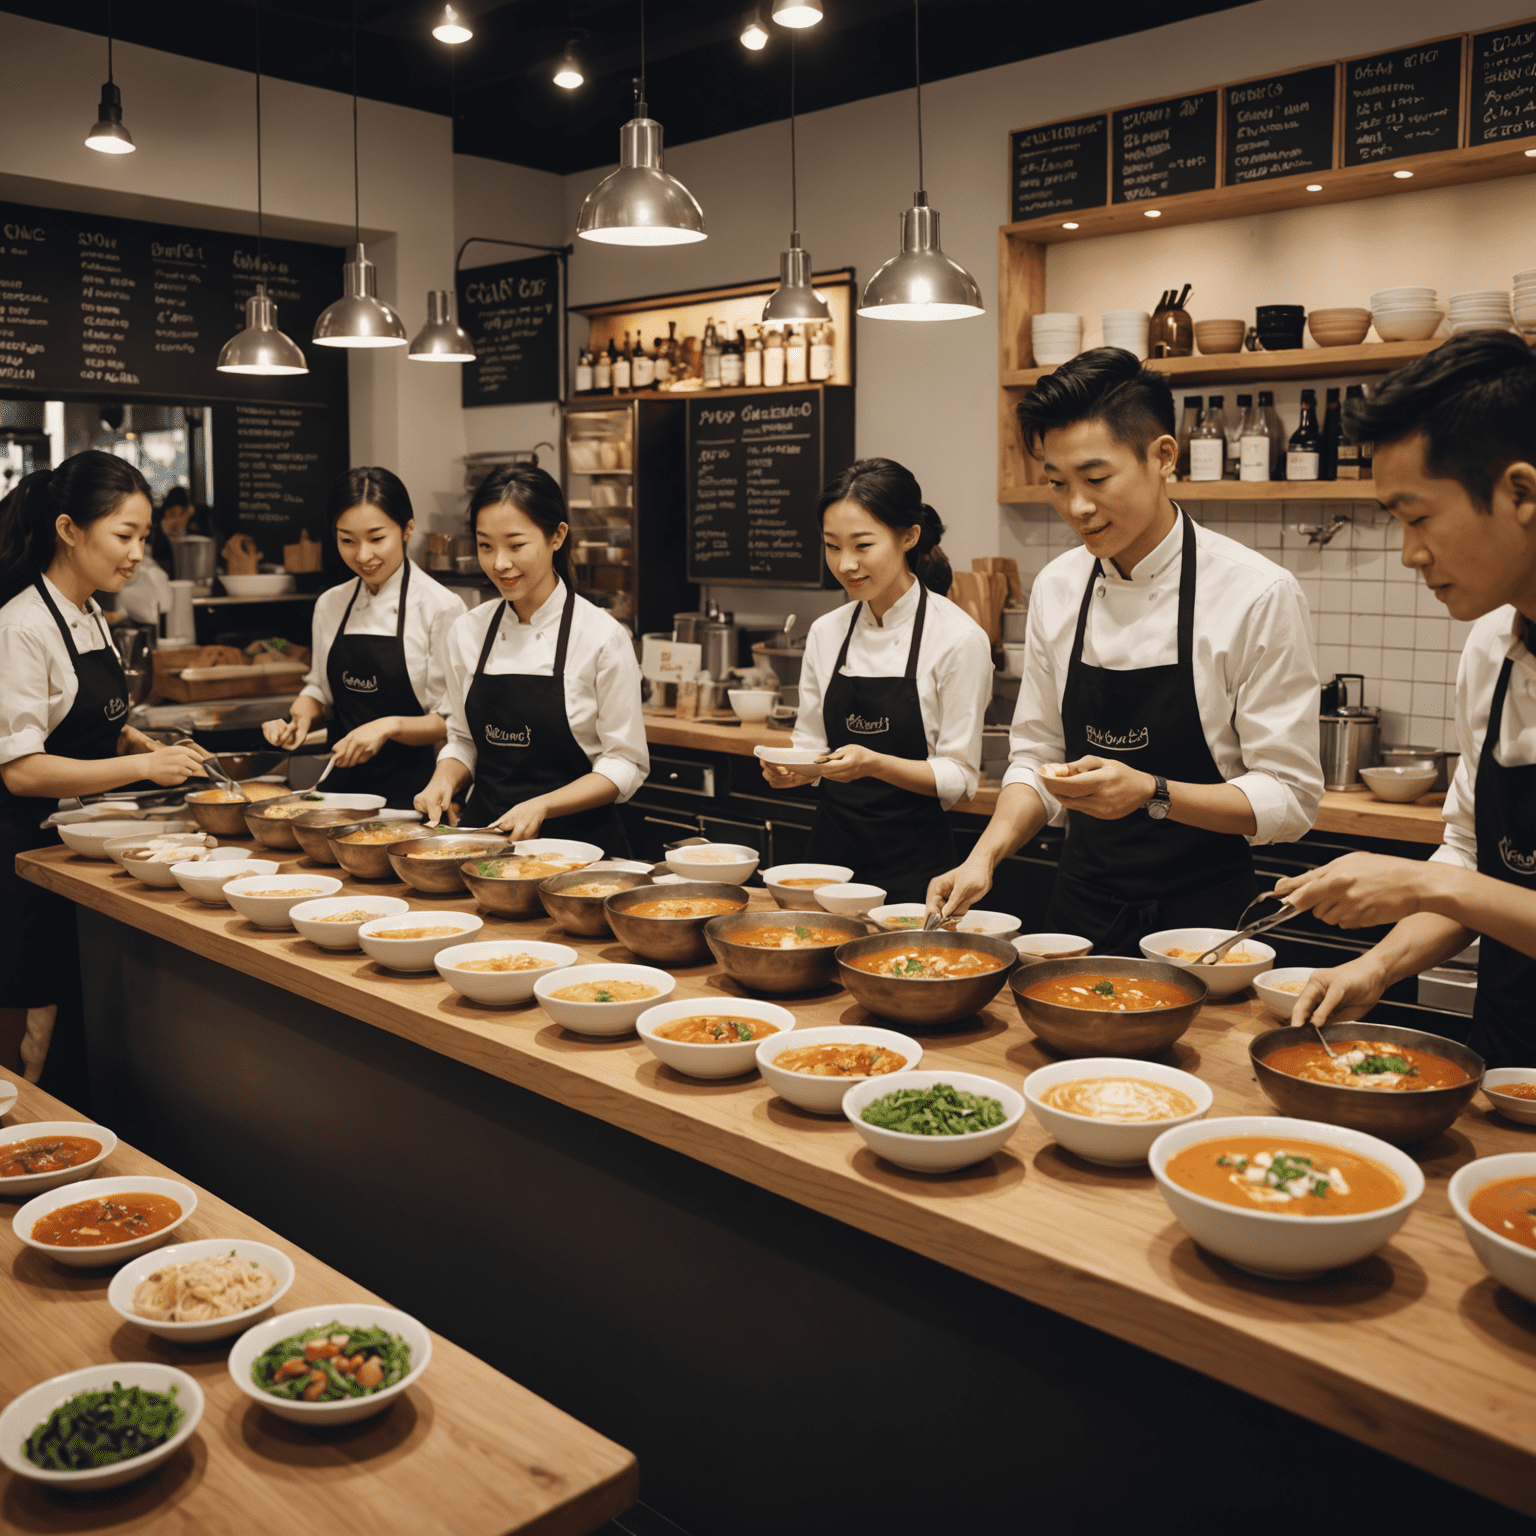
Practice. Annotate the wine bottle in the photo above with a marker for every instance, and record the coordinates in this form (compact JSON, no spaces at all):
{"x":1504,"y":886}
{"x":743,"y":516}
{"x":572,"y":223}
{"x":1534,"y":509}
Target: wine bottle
{"x":1187,"y":424}
{"x":1303,"y":459}
{"x":1208,"y":442}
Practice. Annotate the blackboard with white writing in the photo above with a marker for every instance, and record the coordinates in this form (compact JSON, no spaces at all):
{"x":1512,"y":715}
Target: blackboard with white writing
{"x":1059,"y":167}
{"x":1406,"y":102}
{"x":1503,"y":96}
{"x":1164,"y":148}
{"x":512,"y":310}
{"x":1282,"y":126}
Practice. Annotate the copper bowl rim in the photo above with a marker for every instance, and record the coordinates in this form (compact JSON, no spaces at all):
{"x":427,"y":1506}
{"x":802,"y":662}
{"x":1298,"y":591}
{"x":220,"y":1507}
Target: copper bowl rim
{"x":1362,"y":1029}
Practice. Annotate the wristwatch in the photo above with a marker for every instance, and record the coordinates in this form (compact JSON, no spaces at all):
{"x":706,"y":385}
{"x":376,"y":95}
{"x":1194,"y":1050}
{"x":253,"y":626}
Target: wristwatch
{"x":1160,"y":803}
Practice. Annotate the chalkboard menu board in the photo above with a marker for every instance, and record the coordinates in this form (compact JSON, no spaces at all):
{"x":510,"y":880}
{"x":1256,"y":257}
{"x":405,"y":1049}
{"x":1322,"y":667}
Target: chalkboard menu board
{"x":1280,"y":127}
{"x":1407,"y":102}
{"x":513,"y":311}
{"x":93,"y":306}
{"x":1503,"y":100}
{"x":1164,"y":148}
{"x":1060,"y":167}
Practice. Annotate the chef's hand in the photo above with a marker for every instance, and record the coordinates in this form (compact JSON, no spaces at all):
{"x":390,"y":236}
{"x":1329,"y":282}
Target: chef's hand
{"x":783,"y":776}
{"x":172,"y":765}
{"x":286,"y":734}
{"x":1341,"y":994}
{"x":1361,"y":890}
{"x":434,"y":800}
{"x":956,"y":892}
{"x":365,"y":742}
{"x":522,"y":821}
{"x":1105,"y":790}
{"x":850,"y":763}
{"x":131,"y":739}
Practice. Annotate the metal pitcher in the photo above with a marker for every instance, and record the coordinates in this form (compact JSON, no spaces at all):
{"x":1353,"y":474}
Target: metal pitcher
{"x":1349,"y":734}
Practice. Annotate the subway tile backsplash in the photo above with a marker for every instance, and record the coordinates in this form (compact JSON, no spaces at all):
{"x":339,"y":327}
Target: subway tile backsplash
{"x":1369,"y":613}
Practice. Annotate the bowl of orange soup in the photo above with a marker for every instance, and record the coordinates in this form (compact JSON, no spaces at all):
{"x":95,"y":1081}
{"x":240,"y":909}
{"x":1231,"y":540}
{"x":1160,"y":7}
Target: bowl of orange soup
{"x":1281,"y":1198}
{"x":1493,"y":1198}
{"x":43,"y":1154}
{"x":602,"y":999}
{"x":1107,"y":1005}
{"x":1512,"y":1091}
{"x":814,"y":1068}
{"x":501,"y":971}
{"x":665,"y":922}
{"x":1110,"y":1109}
{"x":711,"y":1037}
{"x":104,"y":1221}
{"x":1231,"y":974}
{"x":923,"y":980}
{"x":781,"y":951}
{"x":794,"y":886}
{"x":410,"y":942}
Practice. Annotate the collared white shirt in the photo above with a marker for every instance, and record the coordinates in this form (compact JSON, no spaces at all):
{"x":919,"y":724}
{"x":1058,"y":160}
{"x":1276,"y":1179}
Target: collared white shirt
{"x":602,"y":681}
{"x":1255,"y":674}
{"x":38,"y":684}
{"x":431,"y":612}
{"x":954,"y":680}
{"x":1494,"y":636}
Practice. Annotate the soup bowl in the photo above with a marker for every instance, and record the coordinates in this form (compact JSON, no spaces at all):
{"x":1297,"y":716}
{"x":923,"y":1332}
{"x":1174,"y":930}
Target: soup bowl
{"x":105,"y":1254}
{"x":35,"y":1183}
{"x":1401,"y":1118}
{"x":933,"y":1154}
{"x":1274,"y":991}
{"x":584,"y":916}
{"x":133,"y":1274}
{"x":604,"y":1019}
{"x":270,"y":823}
{"x":189,"y":847}
{"x":206,"y":878}
{"x":802,"y":898}
{"x":251,"y":899}
{"x":1522,"y":1110}
{"x":668,"y":940}
{"x":90,"y":838}
{"x":500,"y":987}
{"x":226,"y":818}
{"x":1222,"y":979}
{"x":920,"y":1001}
{"x":312,"y":828}
{"x":1283,"y":1247}
{"x":565,"y":847}
{"x":899,"y":916}
{"x":824,"y":1095}
{"x":368,"y":861}
{"x":425,"y":868}
{"x":1051,"y":946}
{"x":848,"y":899}
{"x":506,"y":896}
{"x":415,"y":954}
{"x":1509,"y":1262}
{"x":780,"y":970}
{"x":1001,"y":925}
{"x":727,"y":863}
{"x":725,"y":1059}
{"x":315,"y":920}
{"x":1103,"y":1031}
{"x":1111,"y":1143}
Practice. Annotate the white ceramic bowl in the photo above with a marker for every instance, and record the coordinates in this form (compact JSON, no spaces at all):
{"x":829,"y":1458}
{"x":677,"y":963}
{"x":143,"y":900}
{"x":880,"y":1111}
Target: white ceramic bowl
{"x":109,"y":1253}
{"x":128,"y":1279}
{"x":708,"y":1061}
{"x":1222,"y":980}
{"x":1509,"y":1262}
{"x":751,"y":704}
{"x":824,"y":1095}
{"x":35,"y":1406}
{"x":1266,"y":984}
{"x":567,"y":847}
{"x":90,"y":838}
{"x":1407,"y":324}
{"x":500,"y":986}
{"x":1112,"y":1143}
{"x":255,"y":1342}
{"x":27,"y":1184}
{"x":416,"y":954}
{"x":193,"y":845}
{"x":802,"y":898}
{"x":9,"y":1093}
{"x":1001,"y":925}
{"x":272,"y":911}
{"x":727,"y":863}
{"x":787,"y":757}
{"x":207,"y":878}
{"x":848,"y":899}
{"x":263,"y":585}
{"x":1399,"y":785}
{"x":933,"y":1154}
{"x":306,"y":917}
{"x":1283,"y":1247}
{"x":1523,"y":1110}
{"x":1052,"y":946}
{"x":601,"y":1018}
{"x":892,"y":916}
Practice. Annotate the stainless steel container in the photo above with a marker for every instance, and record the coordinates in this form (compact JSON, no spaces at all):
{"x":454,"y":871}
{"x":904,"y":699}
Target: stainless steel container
{"x":1347,"y":742}
{"x":685,"y":627}
{"x":1015,"y":624}
{"x":920,"y":1002}
{"x":780,"y":970}
{"x":194,"y":559}
{"x":1094,"y":1032}
{"x":718,"y":644}
{"x":785,"y":660}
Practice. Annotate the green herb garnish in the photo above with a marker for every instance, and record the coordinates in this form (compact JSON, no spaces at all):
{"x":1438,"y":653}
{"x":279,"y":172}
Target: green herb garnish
{"x":803,"y":933}
{"x":1374,"y":1064}
{"x":941,"y":1110}
{"x":913,"y":967}
{"x":604,"y":997}
{"x":1105,"y":989}
{"x":722,"y":1030}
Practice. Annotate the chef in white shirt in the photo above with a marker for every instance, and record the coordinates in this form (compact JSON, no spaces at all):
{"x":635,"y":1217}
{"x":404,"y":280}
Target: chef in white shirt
{"x":377,"y":645}
{"x":544,"y":688}
{"x":892,"y":693}
{"x":1455,"y":464}
{"x":1168,"y":708}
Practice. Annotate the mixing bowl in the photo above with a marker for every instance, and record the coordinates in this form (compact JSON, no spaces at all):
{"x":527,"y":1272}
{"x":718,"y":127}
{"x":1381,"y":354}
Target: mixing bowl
{"x":923,"y":1002}
{"x":1105,"y":1032}
{"x":781,"y":970}
{"x":668,"y":940}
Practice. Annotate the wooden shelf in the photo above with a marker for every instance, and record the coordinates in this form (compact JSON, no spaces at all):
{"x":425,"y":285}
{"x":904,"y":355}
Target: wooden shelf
{"x":1226,"y":490}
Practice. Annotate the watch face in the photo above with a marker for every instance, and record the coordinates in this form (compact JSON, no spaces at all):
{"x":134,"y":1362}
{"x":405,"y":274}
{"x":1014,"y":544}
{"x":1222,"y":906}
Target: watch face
{"x":1157,"y":810}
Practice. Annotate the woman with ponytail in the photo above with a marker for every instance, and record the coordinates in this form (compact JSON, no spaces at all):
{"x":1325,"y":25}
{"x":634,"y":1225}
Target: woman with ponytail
{"x":544,"y":688}
{"x":64,"y":534}
{"x":893,"y":696}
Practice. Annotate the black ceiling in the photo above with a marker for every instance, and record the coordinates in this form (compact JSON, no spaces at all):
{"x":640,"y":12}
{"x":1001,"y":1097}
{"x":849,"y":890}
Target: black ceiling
{"x":700,"y":80}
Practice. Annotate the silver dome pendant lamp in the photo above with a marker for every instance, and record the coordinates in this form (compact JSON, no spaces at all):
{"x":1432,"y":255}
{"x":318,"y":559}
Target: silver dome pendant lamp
{"x":921,"y":283}
{"x":794,"y":298}
{"x":110,"y":136}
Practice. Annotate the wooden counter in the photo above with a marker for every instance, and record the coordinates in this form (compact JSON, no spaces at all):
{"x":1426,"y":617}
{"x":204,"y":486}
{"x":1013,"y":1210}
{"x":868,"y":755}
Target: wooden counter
{"x":465,"y":1450}
{"x":1416,"y":1351}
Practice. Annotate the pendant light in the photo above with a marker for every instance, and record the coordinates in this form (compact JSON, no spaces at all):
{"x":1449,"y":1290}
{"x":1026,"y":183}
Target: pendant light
{"x":568,"y":72}
{"x":797,"y":13}
{"x":359,"y":318}
{"x":109,"y":136}
{"x":754,"y":34}
{"x":794,"y":298}
{"x":921,"y":283}
{"x":639,"y":204}
{"x":451,"y":29}
{"x":260,"y":348}
{"x":441,"y":339}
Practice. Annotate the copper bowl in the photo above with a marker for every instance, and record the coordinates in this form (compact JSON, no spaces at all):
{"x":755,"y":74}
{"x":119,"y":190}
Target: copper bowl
{"x":921,"y":1001}
{"x":269,"y":830}
{"x":439,"y":874}
{"x":367,"y":861}
{"x":586,"y":916}
{"x":668,"y":940}
{"x":1105,"y":1032}
{"x":312,"y":827}
{"x":780,"y":970}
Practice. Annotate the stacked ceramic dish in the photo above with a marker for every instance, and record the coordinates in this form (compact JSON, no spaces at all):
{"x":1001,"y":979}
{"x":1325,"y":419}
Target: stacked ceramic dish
{"x":1127,"y":329}
{"x":1406,"y":314}
{"x":1058,"y":338}
{"x":1525,"y":300}
{"x":1480,"y":309}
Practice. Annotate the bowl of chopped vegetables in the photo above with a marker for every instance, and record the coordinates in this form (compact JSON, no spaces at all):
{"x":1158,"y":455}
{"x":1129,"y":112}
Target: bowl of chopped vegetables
{"x":100,"y":1426}
{"x":933,"y":1122}
{"x":331,"y":1364}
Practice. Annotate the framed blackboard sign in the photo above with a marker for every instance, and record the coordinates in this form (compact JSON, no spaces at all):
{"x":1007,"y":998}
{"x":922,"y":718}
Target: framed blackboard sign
{"x":1059,"y":167}
{"x":1282,"y":126}
{"x":1406,"y":102}
{"x":1164,"y":147}
{"x":1503,"y":96}
{"x":513,"y":312}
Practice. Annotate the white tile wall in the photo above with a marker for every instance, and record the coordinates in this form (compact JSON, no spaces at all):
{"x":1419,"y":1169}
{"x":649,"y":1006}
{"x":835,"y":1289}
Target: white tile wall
{"x":1369,"y":613}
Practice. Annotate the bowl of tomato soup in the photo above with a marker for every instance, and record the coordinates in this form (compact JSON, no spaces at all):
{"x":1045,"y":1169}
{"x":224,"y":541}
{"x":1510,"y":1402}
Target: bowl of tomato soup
{"x":575,"y":899}
{"x":1110,"y":1109}
{"x":794,"y":886}
{"x":1107,"y":1005}
{"x":1512,"y":1091}
{"x":1493,"y":1198}
{"x":1400,"y":1084}
{"x":600,"y":999}
{"x":104,"y":1221}
{"x":1282,"y":1198}
{"x":819,"y":1065}
{"x":792,"y":951}
{"x":1228,"y":976}
{"x":665,"y":922}
{"x":711,"y":1037}
{"x":923,"y":980}
{"x":46,"y":1153}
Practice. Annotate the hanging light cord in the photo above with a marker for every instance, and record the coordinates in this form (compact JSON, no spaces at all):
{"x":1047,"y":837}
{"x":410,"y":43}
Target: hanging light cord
{"x":357,"y":196}
{"x":917,"y":61}
{"x":109,"y":42}
{"x":794,"y":189}
{"x":259,"y":278}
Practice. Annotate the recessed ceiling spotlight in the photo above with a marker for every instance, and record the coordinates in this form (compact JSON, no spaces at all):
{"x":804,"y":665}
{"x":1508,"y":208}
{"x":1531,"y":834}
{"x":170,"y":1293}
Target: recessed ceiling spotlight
{"x":1403,"y":175}
{"x":1315,"y":186}
{"x":451,"y":28}
{"x":1069,"y":225}
{"x":1151,"y":213}
{"x":797,"y":13}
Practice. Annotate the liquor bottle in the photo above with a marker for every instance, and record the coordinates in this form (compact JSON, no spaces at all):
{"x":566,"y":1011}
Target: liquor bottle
{"x":795,"y":359}
{"x":1208,"y":443}
{"x":821,"y":352}
{"x":1303,"y":458}
{"x":623,"y":367}
{"x":1333,"y":428}
{"x":1276,"y":430}
{"x":584,"y":372}
{"x":1187,"y":424}
{"x":666,"y":354}
{"x":1254,"y":446}
{"x":752,"y":362}
{"x":711,"y":374}
{"x":643,"y":369}
{"x":733,"y":362}
{"x":602,"y":371}
{"x":1350,"y":466}
{"x":1235,"y":424}
{"x":773,"y":359}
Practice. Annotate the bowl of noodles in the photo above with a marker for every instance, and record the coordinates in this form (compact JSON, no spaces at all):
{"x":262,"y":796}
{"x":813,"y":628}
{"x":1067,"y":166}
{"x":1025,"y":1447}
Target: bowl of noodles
{"x":191,"y":1293}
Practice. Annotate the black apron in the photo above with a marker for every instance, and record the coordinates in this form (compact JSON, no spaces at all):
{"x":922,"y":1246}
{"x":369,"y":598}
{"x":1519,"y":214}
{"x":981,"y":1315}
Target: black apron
{"x":888,"y":836}
{"x":1503,"y":1026}
{"x":368,"y":679}
{"x":524,"y":746}
{"x":1120,"y":880}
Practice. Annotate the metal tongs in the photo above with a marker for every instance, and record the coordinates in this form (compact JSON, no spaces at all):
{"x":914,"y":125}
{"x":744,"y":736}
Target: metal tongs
{"x":1264,"y":924}
{"x":216,"y":770}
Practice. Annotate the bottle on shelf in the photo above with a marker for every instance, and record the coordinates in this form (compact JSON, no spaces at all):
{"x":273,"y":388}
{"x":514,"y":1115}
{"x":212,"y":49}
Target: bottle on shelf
{"x":1303,"y":458}
{"x":733,"y":362}
{"x":752,"y":360}
{"x":1236,"y":422}
{"x":1276,"y":430}
{"x":1187,"y":424}
{"x":666,"y":353}
{"x":821,"y":352}
{"x":1254,"y":448}
{"x":623,"y":368}
{"x":1333,"y":427}
{"x":584,"y":372}
{"x":1208,"y":442}
{"x":1353,"y":464}
{"x":643,"y":367}
{"x":711,"y":372}
{"x":795,"y":358}
{"x":773,"y":358}
{"x":602,"y":370}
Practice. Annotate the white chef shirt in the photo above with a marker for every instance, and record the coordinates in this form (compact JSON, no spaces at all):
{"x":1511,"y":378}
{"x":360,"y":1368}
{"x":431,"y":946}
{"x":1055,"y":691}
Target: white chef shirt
{"x":602,"y":681}
{"x":1255,"y":675}
{"x":954,"y":680}
{"x":37,"y":678}
{"x":431,"y":611}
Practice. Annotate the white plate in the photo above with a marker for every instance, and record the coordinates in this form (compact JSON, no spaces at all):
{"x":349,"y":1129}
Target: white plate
{"x":787,"y":757}
{"x":128,"y":1279}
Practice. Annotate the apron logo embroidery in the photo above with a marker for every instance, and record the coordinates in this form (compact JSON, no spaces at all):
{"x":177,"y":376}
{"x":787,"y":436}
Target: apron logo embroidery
{"x":862,"y":727}
{"x":496,"y":737}
{"x":1118,"y":741}
{"x":360,"y":684}
{"x":116,"y":709}
{"x":1521,"y":863}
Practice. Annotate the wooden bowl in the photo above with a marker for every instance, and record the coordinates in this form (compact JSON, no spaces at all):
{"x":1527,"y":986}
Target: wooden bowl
{"x":1220,"y":335}
{"x":1339,"y":327}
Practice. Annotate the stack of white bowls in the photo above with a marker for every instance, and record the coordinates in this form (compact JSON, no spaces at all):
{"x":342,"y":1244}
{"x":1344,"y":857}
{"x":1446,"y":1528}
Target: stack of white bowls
{"x":1126,"y":328}
{"x":1057,"y":338}
{"x":1525,"y":300}
{"x":1481,"y":309}
{"x":1406,"y":314}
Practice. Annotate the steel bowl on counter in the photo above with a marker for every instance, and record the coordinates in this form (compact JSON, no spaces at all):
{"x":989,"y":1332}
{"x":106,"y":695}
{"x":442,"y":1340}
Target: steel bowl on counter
{"x":312,"y":829}
{"x":669,"y":940}
{"x":224,"y":818}
{"x":1398,"y":1117}
{"x":499,"y":894}
{"x":920,"y":1001}
{"x":431,"y":862}
{"x":368,"y":861}
{"x":585,"y":916}
{"x":780,"y":970}
{"x":1105,"y":1032}
{"x":268,"y":822}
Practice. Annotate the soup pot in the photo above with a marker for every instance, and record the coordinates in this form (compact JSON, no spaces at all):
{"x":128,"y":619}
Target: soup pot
{"x":780,"y":970}
{"x":917,"y":1001}
{"x":1105,"y":1032}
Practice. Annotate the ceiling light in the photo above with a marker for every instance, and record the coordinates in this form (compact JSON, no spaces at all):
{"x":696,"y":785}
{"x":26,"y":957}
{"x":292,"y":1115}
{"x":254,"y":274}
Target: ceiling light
{"x":261,"y":348}
{"x":797,"y":13}
{"x":754,"y":34}
{"x":1403,"y":175}
{"x":1151,"y":213}
{"x":568,"y":72}
{"x":1530,"y":154}
{"x":109,"y":136}
{"x":451,"y":28}
{"x":441,"y":340}
{"x":1315,"y":186}
{"x":794,"y":298}
{"x":1069,"y":225}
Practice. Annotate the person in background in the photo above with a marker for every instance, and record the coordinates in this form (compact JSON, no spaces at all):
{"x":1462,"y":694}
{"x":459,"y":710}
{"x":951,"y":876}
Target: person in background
{"x":1455,"y":464}
{"x":893,"y":694}
{"x":177,"y":518}
{"x":544,"y":687}
{"x":378,"y":648}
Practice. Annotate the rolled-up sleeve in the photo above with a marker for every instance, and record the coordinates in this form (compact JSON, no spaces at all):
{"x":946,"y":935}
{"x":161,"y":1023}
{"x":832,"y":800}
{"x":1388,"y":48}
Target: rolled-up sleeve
{"x":623,"y":757}
{"x":457,"y":670}
{"x":1036,"y":736}
{"x":28,"y":691}
{"x":964,"y":677}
